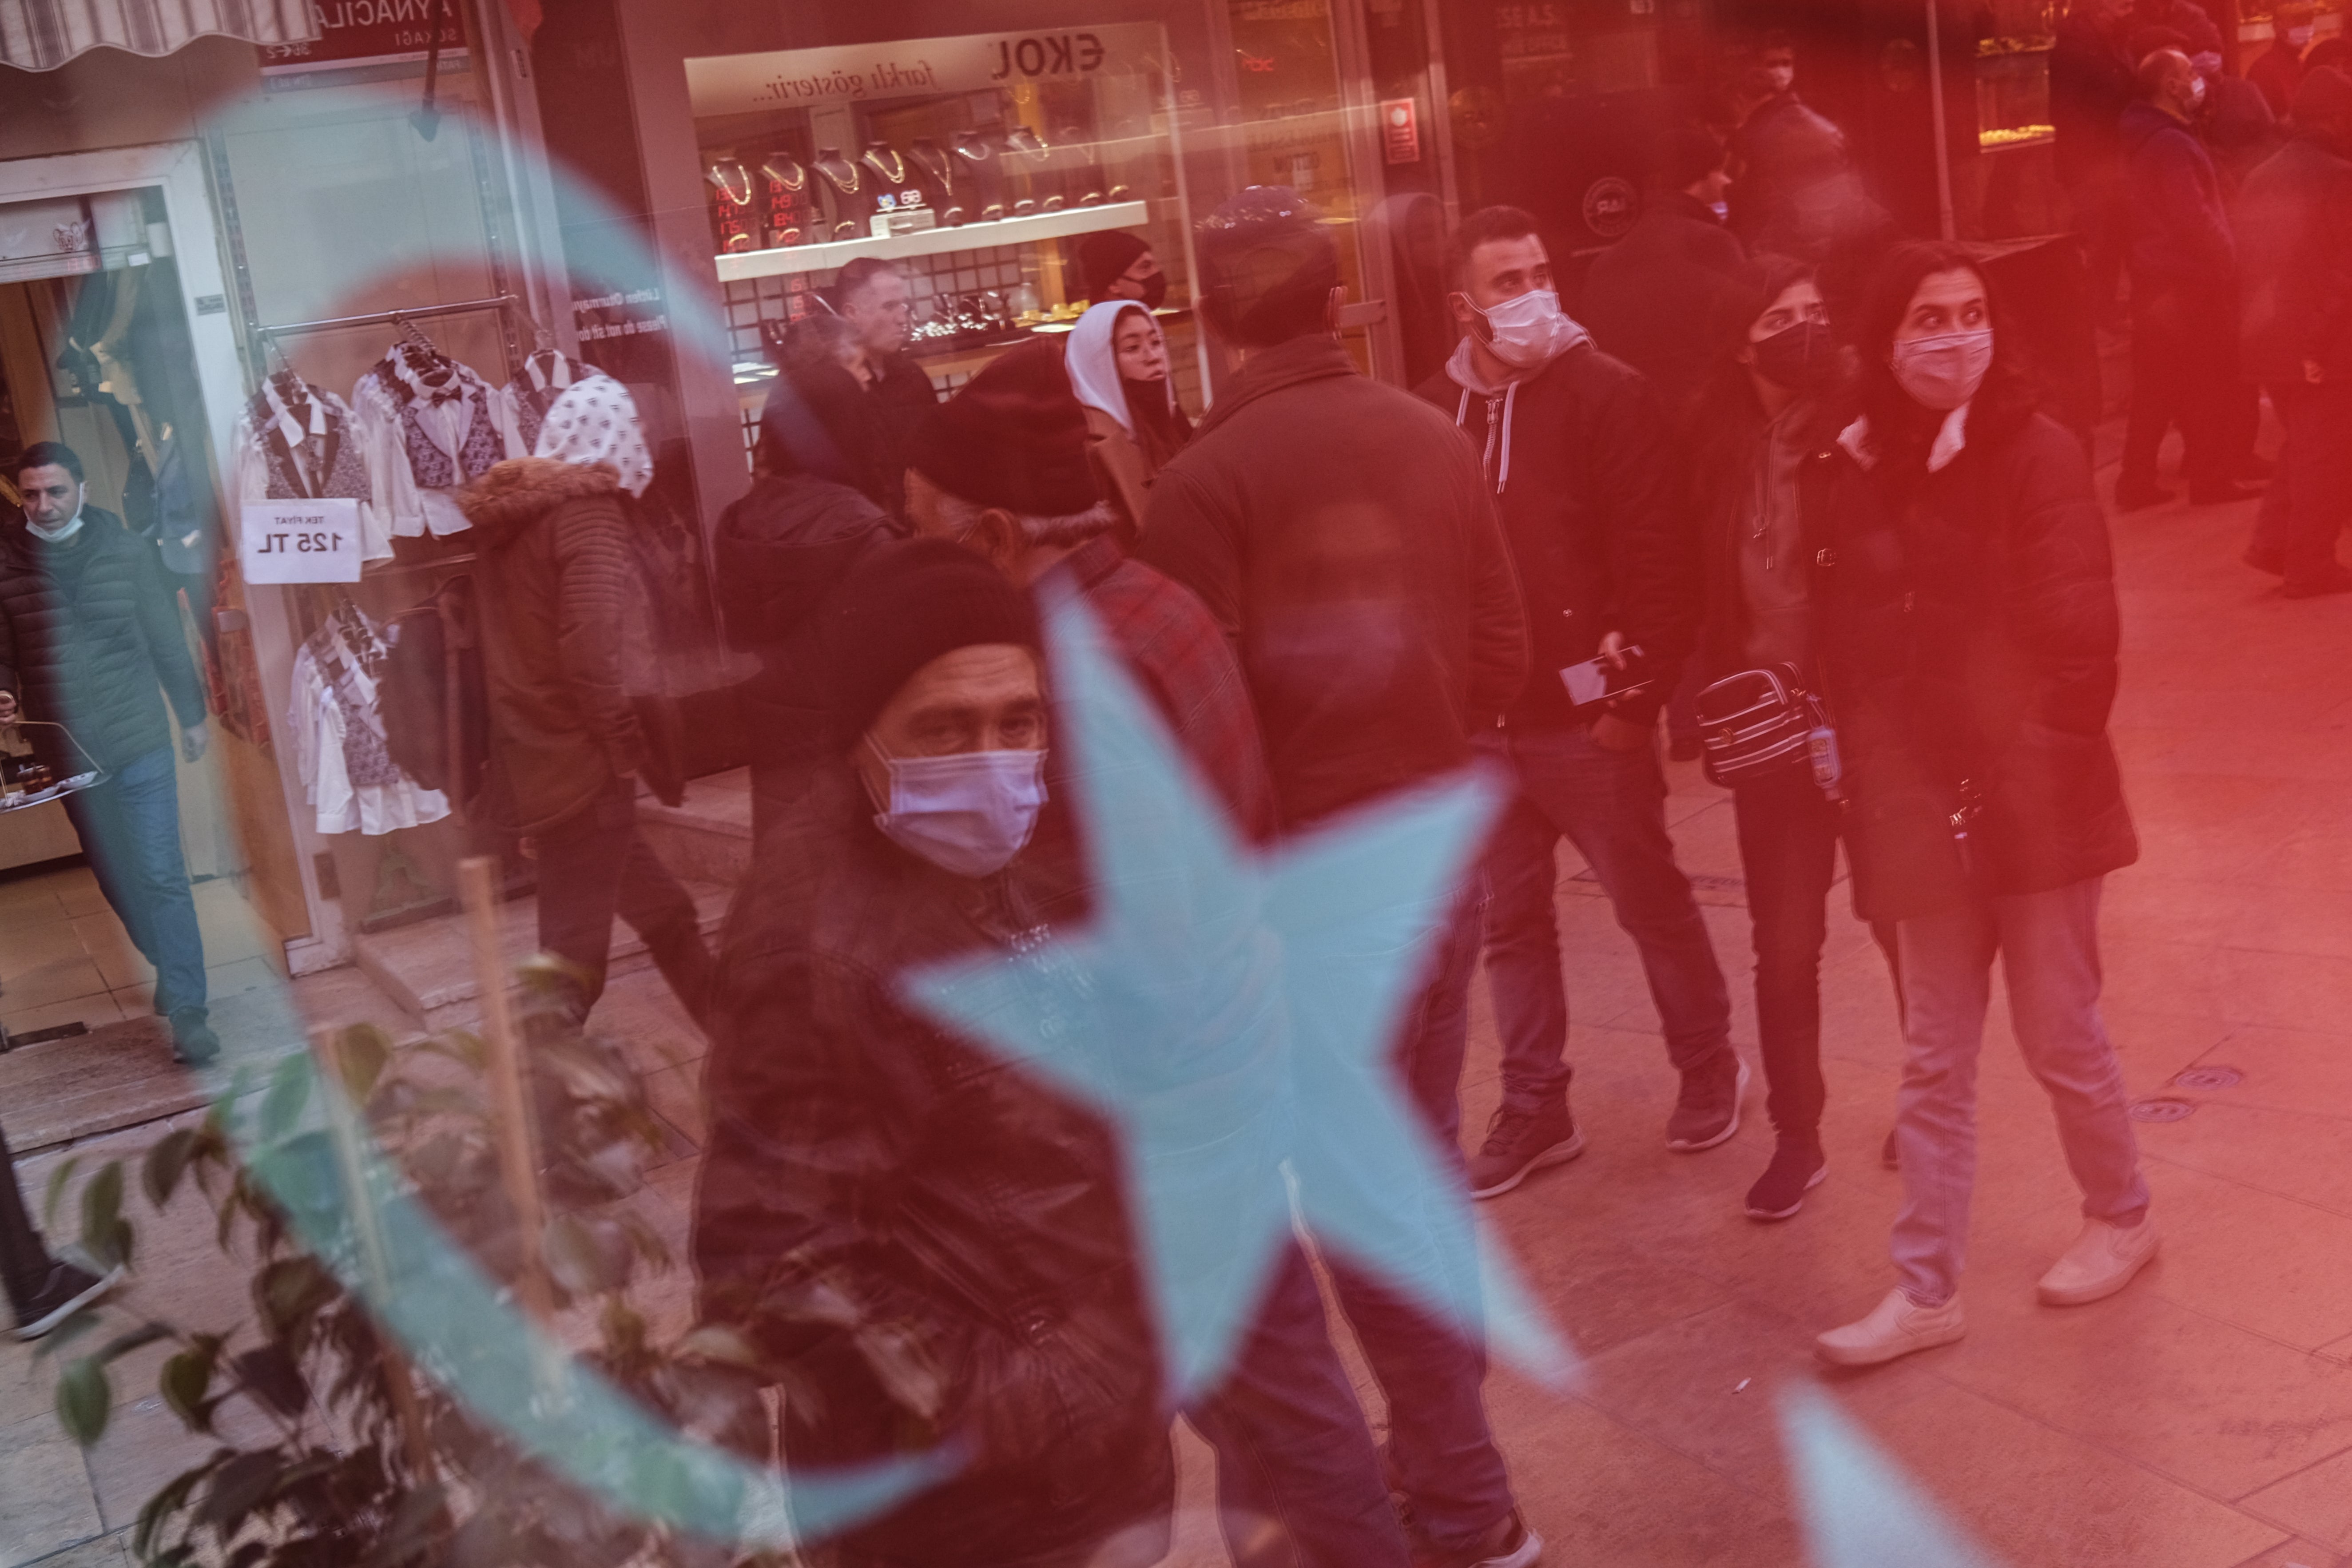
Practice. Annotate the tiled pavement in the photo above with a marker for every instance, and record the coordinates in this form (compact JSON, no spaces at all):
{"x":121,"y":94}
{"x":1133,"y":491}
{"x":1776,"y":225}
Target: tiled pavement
{"x":2201,"y":1420}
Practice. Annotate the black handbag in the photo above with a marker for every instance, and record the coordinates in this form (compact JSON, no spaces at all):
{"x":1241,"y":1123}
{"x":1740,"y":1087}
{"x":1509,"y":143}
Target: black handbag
{"x":1760,"y":722}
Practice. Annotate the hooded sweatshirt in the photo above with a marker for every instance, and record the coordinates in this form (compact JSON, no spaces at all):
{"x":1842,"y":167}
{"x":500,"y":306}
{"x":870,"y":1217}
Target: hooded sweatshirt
{"x":1575,"y":454}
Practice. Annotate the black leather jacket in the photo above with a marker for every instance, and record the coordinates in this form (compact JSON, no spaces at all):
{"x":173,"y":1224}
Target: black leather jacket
{"x":930,"y":1244}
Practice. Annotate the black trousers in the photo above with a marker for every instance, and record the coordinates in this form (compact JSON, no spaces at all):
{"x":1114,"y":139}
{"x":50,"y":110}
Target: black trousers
{"x":1789,"y":835}
{"x":24,"y":1260}
{"x":594,"y":865}
{"x":2184,"y":362}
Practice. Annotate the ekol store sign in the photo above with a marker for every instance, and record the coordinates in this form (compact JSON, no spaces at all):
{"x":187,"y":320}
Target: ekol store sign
{"x":855,"y":73}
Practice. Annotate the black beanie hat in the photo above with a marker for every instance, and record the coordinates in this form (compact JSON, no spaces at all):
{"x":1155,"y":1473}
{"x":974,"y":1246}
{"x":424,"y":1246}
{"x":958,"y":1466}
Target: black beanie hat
{"x":904,"y":604}
{"x":1014,"y":436}
{"x":1105,"y":257}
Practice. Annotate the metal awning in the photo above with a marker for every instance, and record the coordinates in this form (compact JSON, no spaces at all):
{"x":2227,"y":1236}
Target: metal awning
{"x":41,"y":35}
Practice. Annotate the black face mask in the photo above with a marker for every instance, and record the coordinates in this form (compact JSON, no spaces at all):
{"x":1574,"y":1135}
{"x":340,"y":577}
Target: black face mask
{"x":1800,"y":358}
{"x":1155,"y":290}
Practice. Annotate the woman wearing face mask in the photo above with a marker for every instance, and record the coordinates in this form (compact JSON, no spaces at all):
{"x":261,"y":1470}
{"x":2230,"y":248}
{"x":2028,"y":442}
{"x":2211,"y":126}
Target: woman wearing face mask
{"x":1118,"y":362}
{"x":1767,"y":409}
{"x":1969,"y":633}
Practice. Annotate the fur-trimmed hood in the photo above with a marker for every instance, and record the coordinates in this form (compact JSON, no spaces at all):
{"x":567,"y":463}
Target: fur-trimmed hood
{"x":520,"y":492}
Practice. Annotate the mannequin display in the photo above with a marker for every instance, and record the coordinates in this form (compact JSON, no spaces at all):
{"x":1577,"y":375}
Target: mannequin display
{"x":936,"y":171}
{"x":851,"y":201}
{"x":791,"y":204}
{"x":427,"y":424}
{"x":295,"y":441}
{"x":1040,"y":192}
{"x":734,"y":224}
{"x":976,"y":156}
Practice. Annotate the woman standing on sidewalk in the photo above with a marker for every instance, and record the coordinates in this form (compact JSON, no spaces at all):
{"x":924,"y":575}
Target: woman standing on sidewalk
{"x":1767,"y":406}
{"x":1970,"y":634}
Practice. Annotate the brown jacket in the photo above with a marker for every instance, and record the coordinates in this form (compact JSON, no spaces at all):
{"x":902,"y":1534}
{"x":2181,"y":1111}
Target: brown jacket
{"x":554,"y":575}
{"x":1120,"y":465}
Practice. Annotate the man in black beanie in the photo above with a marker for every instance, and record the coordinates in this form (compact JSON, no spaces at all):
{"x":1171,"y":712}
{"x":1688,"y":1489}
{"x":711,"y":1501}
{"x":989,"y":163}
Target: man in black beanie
{"x":931,"y":1249}
{"x":1117,"y":265}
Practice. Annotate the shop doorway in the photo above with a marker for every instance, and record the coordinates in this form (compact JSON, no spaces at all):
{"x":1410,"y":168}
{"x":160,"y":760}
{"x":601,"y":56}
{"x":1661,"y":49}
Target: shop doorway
{"x":103,"y":347}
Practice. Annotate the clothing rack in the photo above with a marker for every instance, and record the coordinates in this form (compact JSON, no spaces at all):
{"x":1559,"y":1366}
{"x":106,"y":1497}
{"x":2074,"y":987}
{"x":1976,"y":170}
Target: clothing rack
{"x":393,"y":318}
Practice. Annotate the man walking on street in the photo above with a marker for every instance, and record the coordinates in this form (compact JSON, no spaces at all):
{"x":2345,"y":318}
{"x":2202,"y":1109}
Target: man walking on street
{"x":89,"y":634}
{"x":2296,"y":216}
{"x":871,"y":295}
{"x":1003,"y":468}
{"x":1339,"y":534}
{"x":1576,"y":455}
{"x":2184,"y":273}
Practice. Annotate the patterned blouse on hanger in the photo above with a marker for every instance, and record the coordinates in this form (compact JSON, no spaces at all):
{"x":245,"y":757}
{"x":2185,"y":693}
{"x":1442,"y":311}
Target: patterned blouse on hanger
{"x":305,"y":448}
{"x":425,"y":432}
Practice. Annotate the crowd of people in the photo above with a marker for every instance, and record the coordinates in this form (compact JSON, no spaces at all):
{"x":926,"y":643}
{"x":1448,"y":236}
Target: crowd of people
{"x":1782,"y":480}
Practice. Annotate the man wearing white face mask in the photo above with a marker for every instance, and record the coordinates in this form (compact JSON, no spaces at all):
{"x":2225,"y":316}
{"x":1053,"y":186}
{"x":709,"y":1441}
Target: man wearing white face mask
{"x":2184,"y":267}
{"x":1573,"y":444}
{"x":2277,"y":71}
{"x":880,"y":1194}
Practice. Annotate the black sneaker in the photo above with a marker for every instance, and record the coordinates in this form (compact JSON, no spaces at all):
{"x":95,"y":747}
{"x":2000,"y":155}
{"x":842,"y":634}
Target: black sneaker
{"x":1796,"y":1169}
{"x":1708,"y":1111}
{"x":193,"y":1044}
{"x":1507,"y":1544}
{"x":1521,"y":1142}
{"x":70,"y":1289}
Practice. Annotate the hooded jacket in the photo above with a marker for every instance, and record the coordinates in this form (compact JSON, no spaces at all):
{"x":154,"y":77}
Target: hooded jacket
{"x":1576,"y":455}
{"x":1649,"y":297}
{"x":1970,"y":631}
{"x":780,"y":551}
{"x":931,"y":1246}
{"x":2296,"y":217}
{"x":2179,"y":229}
{"x":1340,"y":534}
{"x":88,"y":632}
{"x":554,"y":569}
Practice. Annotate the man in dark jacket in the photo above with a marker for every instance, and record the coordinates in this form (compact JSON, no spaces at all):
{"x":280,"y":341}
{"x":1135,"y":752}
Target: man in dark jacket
{"x":813,"y":510}
{"x":87,"y":635}
{"x":930,"y":1246}
{"x":1003,"y":468}
{"x":1649,"y":297}
{"x":2296,"y":217}
{"x":1575,"y":455}
{"x":2184,"y":270}
{"x":566,"y":742}
{"x":871,"y":295}
{"x":2091,"y":84}
{"x":1339,"y":532}
{"x":2277,"y":71}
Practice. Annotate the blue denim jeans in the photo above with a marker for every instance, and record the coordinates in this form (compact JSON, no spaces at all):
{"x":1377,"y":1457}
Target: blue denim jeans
{"x":130,"y":829}
{"x":1441,"y":1450}
{"x":2048,"y":944}
{"x":1299,"y":1484}
{"x":1612,"y":806}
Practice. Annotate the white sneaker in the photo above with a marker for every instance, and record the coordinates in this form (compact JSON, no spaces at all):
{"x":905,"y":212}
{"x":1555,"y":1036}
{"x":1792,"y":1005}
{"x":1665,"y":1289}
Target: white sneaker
{"x":2102,"y":1262}
{"x":1895,"y":1327}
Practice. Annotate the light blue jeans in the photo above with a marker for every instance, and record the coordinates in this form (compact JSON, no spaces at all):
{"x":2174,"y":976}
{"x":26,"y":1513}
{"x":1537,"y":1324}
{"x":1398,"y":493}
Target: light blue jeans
{"x":2048,"y":944}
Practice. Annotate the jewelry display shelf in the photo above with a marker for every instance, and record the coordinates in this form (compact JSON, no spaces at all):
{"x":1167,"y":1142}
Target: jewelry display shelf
{"x":979,"y":236}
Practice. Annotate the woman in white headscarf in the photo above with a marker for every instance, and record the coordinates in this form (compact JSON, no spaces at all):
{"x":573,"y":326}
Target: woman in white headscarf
{"x":1118,"y":367}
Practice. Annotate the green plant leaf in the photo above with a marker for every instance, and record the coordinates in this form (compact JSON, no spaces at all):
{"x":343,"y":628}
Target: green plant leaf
{"x":270,"y":1375}
{"x":65,"y":1333}
{"x":101,"y":1216}
{"x":185,"y":1380}
{"x":240,"y":1484}
{"x":169,"y":1502}
{"x":290,"y":1091}
{"x":58,"y":1180}
{"x":166,"y":1161}
{"x":84,"y":1400}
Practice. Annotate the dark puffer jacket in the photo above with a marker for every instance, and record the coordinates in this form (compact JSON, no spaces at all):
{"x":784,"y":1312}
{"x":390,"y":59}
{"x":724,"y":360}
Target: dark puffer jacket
{"x":88,"y":632}
{"x":1339,"y":532}
{"x":1576,"y":453}
{"x":931,"y":1245}
{"x":555,"y":569}
{"x":2296,"y":217}
{"x":1969,"y":632}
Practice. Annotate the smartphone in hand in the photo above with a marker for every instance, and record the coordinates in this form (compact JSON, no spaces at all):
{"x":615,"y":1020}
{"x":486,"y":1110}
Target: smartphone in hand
{"x":1598,"y":680}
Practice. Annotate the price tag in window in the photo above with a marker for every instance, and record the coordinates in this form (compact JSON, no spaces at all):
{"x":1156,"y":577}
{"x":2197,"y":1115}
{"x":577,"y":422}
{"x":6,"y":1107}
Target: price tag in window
{"x":300,"y":540}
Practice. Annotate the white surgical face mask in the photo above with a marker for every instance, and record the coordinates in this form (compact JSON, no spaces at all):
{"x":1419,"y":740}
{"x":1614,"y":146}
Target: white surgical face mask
{"x":1722,"y":211}
{"x":61,"y":532}
{"x":1943,"y":372}
{"x":968,"y":814}
{"x":2196,"y":91}
{"x":2298,"y":38}
{"x":1782,"y":78}
{"x":1529,"y":330}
